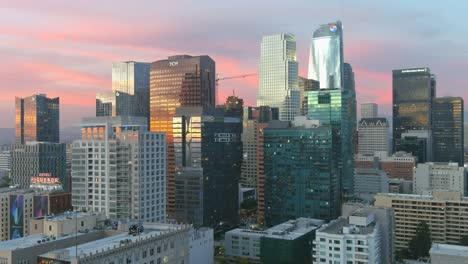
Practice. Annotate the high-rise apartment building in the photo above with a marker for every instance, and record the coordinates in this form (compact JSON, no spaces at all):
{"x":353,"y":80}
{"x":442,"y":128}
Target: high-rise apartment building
{"x":33,"y":158}
{"x":332,"y":108}
{"x":306,"y":85}
{"x":369,"y":110}
{"x":373,"y":136}
{"x":439,"y":176}
{"x":326,"y":56}
{"x":208,"y":156}
{"x":37,"y":119}
{"x":301,"y":172}
{"x":447,"y":129}
{"x":444,"y":212}
{"x":178,"y":81}
{"x":278,"y":75}
{"x":119,"y":168}
{"x":413,"y":94}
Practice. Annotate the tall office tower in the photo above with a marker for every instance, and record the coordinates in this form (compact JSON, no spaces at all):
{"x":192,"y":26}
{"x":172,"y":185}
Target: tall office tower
{"x":177,"y":82}
{"x":208,"y":155}
{"x":301,"y":178}
{"x":326,"y":56}
{"x":37,"y":119}
{"x":306,"y":85}
{"x":105,"y":104}
{"x":331,"y":107}
{"x":33,"y":158}
{"x":413,"y":94}
{"x":234,"y":106}
{"x":130,"y":76}
{"x":278,"y":75}
{"x":119,"y":168}
{"x":447,"y":130}
{"x":438,"y":177}
{"x":385,"y":219}
{"x":254,"y":121}
{"x":444,"y":212}
{"x":373,"y":136}
{"x":369,"y":110}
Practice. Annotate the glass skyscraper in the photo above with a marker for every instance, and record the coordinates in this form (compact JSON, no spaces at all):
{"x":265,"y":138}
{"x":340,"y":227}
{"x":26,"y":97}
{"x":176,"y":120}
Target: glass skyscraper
{"x":413,"y":95}
{"x":130,"y":76}
{"x":278,"y":75}
{"x":326,"y":56}
{"x":447,"y":130}
{"x":178,"y":81}
{"x":301,"y":173}
{"x":332,"y":107}
{"x":37,"y":119}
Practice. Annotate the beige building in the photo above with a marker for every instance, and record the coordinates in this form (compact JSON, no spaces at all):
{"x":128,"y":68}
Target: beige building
{"x":446,"y":213}
{"x":67,"y":223}
{"x":439,"y":176}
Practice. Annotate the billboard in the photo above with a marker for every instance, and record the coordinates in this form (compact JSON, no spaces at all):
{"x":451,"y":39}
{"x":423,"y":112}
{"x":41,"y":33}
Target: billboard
{"x":43,"y":260}
{"x":16,"y":216}
{"x":41,"y":205}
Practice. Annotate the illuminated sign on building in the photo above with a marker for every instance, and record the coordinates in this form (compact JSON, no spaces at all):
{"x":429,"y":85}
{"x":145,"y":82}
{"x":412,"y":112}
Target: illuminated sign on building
{"x":414,"y":70}
{"x":333,"y":28}
{"x":44,"y":178}
{"x":173,"y":63}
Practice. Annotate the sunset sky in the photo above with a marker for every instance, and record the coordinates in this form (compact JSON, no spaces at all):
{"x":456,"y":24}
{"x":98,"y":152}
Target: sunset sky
{"x":65,"y":48}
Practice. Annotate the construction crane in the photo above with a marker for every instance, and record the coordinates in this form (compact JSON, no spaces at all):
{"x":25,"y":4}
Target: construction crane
{"x":229,"y":78}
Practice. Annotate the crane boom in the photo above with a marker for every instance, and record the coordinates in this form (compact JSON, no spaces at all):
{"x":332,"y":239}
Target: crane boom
{"x":229,"y":78}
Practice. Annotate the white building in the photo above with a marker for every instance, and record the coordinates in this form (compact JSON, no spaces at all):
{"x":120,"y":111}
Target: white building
{"x":448,"y":254}
{"x":369,"y":110}
{"x":435,"y":176}
{"x":356,"y":239}
{"x":278,"y":75}
{"x":201,"y":245}
{"x":369,"y":182}
{"x":119,"y":168}
{"x":373,"y":136}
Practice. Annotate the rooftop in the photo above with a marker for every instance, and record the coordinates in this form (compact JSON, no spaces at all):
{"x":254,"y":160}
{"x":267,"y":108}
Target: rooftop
{"x":336,"y":227}
{"x":71,"y":215}
{"x":438,"y":196}
{"x":31,"y":241}
{"x":452,"y":250}
{"x":293,"y":229}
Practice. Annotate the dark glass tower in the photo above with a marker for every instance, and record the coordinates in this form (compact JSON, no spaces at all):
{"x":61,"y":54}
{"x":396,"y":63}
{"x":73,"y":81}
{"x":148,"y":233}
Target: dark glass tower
{"x":37,"y":119}
{"x":179,"y":81}
{"x":301,"y":173}
{"x":413,"y":94}
{"x":208,"y":156}
{"x":447,"y":129}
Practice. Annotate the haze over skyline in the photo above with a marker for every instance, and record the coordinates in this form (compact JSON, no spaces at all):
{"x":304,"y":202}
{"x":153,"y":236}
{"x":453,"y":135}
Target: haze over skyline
{"x":66,"y":49}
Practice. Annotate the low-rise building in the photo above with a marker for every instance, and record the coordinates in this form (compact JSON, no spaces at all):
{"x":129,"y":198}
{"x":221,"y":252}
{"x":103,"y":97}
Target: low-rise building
{"x":201,"y":245}
{"x":356,"y":239}
{"x":448,"y":254}
{"x":397,"y":166}
{"x":369,"y":182}
{"x":439,"y":176}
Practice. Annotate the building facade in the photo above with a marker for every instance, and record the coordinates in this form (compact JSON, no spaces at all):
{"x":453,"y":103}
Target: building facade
{"x":448,"y":130}
{"x":37,"y":119}
{"x":373,"y":136}
{"x":439,"y":176}
{"x":369,"y":110}
{"x":178,"y":81}
{"x":301,"y":176}
{"x":306,"y":85}
{"x":207,"y":185}
{"x":369,"y":182}
{"x":448,"y":254}
{"x":326,"y":56}
{"x":444,"y":212}
{"x":397,"y":166}
{"x":119,"y":168}
{"x":278,"y":75}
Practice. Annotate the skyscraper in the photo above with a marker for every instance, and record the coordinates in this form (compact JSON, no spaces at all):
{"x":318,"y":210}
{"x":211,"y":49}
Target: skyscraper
{"x":447,"y":130}
{"x":37,"y":119}
{"x":208,"y":156}
{"x":130,"y":76}
{"x":413,"y":94}
{"x":369,"y":110}
{"x":306,"y":85}
{"x":278,"y":75}
{"x":373,"y":136}
{"x":326,"y":56}
{"x":301,"y":172}
{"x":179,"y":81}
{"x":119,"y":168}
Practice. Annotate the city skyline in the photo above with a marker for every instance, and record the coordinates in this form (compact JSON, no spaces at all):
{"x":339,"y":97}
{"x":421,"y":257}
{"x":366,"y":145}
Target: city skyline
{"x":75,"y":65}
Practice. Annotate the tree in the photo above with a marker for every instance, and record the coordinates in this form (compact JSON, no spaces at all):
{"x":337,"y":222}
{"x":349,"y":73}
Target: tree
{"x":421,"y":243}
{"x":464,"y":240}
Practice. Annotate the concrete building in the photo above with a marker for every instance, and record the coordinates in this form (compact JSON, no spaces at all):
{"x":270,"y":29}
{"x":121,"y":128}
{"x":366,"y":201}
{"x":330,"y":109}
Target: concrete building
{"x":400,"y":186}
{"x":33,"y":158}
{"x":386,"y":221}
{"x":356,"y":239}
{"x":289,"y":242}
{"x":119,"y":168}
{"x":369,"y":182}
{"x":201,"y":245}
{"x":446,"y":213}
{"x":373,"y":136}
{"x":397,"y":166}
{"x":66,"y":223}
{"x":448,"y":254}
{"x":439,"y":176}
{"x":5,"y":160}
{"x":369,"y":110}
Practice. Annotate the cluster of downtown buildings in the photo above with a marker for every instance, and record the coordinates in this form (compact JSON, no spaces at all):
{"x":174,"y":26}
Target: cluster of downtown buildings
{"x":159,"y":151}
